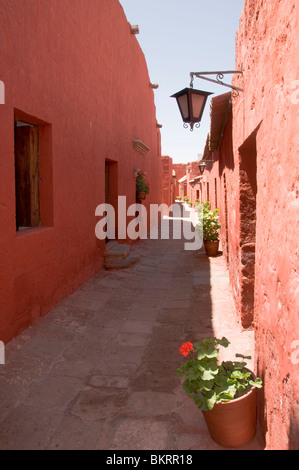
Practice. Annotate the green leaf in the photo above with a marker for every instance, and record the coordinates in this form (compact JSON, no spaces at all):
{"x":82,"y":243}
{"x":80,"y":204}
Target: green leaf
{"x":224,"y":342}
{"x":209,"y":365}
{"x":207,"y":348}
{"x":200,"y":401}
{"x":187,"y":386}
{"x":208,"y":375}
{"x":207,"y":353}
{"x":221,"y":381}
{"x":193,"y":374}
{"x":229,"y":393}
{"x":243,"y":357}
{"x":207,"y":385}
{"x":184,"y":367}
{"x":238,"y":374}
{"x":258,"y":383}
{"x":210,"y":401}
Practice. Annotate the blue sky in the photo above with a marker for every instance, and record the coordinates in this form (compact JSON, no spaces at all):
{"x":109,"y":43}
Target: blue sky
{"x":179,"y":37}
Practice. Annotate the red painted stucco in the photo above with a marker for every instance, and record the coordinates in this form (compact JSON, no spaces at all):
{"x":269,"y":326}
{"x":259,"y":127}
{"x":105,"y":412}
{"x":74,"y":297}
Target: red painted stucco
{"x":254,"y":178}
{"x":193,"y":187}
{"x":74,"y":67}
{"x":180,"y":171}
{"x":256,"y":167}
{"x":168,"y":181}
{"x":267,"y":49}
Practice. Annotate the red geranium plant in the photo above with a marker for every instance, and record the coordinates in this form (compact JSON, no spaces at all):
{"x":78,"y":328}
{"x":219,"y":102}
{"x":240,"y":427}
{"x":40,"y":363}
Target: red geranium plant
{"x":208,"y":382}
{"x":141,"y":185}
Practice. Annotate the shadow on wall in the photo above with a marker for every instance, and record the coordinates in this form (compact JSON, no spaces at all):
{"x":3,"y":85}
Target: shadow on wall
{"x":294,"y":431}
{"x":226,"y":155}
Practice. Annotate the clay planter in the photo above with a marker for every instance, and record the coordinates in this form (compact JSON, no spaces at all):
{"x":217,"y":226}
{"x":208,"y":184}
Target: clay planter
{"x":211,"y":247}
{"x":233,"y":424}
{"x":140,"y":195}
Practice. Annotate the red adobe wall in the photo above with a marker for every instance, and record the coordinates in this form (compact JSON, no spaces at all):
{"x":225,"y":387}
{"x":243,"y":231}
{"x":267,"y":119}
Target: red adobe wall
{"x":180,"y":171}
{"x":167,"y":181}
{"x":76,"y":67}
{"x":220,"y":189}
{"x":266,"y":117}
{"x":192,"y":172}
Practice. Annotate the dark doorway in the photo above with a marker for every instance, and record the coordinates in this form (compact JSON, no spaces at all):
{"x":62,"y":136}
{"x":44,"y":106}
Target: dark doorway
{"x":107,"y":174}
{"x":111,"y":188}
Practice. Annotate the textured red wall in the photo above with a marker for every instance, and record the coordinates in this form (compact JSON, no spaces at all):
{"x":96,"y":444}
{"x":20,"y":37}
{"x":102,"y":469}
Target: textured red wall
{"x":180,"y":171}
{"x":74,"y":65}
{"x":167,"y":182}
{"x":192,"y":172}
{"x":267,"y":112}
{"x":219,"y":190}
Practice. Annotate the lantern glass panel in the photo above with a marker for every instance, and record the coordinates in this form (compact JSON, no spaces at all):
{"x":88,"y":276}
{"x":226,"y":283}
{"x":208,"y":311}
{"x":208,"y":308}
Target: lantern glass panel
{"x":183,"y":104}
{"x":197,"y":105}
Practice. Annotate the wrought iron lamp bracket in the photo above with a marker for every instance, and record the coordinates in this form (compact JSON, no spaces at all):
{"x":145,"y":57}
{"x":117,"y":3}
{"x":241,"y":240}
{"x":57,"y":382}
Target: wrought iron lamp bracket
{"x":219,"y":78}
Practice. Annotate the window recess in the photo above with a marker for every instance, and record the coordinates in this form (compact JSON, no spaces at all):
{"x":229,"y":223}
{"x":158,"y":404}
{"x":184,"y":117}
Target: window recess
{"x":27,"y":175}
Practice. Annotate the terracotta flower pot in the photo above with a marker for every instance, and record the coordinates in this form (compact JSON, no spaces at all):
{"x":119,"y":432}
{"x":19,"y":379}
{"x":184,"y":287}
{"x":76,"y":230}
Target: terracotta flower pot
{"x":140,"y":195}
{"x":233,"y":424}
{"x":211,"y":247}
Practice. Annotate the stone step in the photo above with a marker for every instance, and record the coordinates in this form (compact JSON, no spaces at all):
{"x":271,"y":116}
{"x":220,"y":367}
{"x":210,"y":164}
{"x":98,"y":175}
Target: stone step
{"x":127,"y":262}
{"x":109,"y":245}
{"x":116,"y":254}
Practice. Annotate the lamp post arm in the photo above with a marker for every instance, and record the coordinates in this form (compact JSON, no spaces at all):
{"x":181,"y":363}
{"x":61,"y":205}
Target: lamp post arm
{"x":219,"y":77}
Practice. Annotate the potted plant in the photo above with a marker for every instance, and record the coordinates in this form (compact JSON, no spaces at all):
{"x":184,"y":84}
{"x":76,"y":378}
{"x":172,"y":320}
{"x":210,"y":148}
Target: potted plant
{"x":142,"y":188}
{"x":225,"y":393}
{"x":210,"y":227}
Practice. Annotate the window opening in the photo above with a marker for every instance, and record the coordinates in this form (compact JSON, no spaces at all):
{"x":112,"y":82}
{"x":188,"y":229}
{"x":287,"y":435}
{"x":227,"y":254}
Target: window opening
{"x":27,"y":175}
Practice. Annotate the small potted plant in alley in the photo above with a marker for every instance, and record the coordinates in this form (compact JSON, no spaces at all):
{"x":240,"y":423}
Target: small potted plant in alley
{"x":210,"y":228}
{"x":225,"y":393}
{"x":196,"y":203}
{"x":142,"y":188}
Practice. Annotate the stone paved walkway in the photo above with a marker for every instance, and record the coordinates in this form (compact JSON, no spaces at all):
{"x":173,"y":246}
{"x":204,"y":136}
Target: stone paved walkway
{"x":99,"y":371}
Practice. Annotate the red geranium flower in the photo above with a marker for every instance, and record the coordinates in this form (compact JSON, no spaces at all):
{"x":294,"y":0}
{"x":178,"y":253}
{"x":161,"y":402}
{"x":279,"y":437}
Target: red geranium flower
{"x":186,"y":348}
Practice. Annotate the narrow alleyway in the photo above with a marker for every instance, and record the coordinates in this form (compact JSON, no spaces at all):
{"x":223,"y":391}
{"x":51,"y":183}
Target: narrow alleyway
{"x":99,"y":371}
